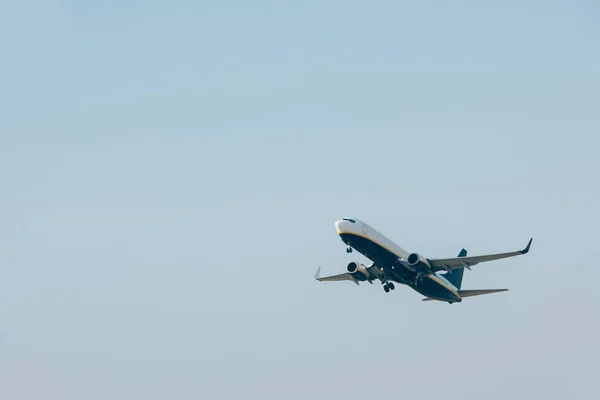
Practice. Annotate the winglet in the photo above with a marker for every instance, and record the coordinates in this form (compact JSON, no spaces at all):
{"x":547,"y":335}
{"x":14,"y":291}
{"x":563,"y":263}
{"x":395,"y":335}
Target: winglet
{"x":318,"y":274}
{"x":526,"y":249}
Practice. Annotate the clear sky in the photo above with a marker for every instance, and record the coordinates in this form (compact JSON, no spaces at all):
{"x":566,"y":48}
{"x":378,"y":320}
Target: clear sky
{"x":171,"y":173}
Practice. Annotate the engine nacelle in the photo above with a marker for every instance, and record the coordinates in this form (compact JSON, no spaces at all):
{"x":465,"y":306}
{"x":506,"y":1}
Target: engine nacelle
{"x":418,"y":262}
{"x":358,"y":270}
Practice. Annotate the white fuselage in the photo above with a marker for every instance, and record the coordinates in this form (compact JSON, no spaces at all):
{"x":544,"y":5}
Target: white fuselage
{"x":361,"y":228}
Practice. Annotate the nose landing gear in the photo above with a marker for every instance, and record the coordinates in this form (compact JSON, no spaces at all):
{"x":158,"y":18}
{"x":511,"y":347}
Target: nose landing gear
{"x":349,"y":249}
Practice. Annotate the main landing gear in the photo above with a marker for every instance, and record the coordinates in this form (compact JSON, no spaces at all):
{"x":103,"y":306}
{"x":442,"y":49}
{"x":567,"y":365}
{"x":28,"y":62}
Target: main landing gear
{"x":417,"y":280}
{"x":388,"y":286}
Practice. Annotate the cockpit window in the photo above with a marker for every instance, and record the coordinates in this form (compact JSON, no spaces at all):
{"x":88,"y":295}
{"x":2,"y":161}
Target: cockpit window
{"x":348,"y":219}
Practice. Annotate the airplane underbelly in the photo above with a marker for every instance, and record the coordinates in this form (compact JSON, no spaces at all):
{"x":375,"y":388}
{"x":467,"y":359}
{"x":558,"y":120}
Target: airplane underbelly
{"x":369,"y":249}
{"x":430,"y":288}
{"x":380,"y":256}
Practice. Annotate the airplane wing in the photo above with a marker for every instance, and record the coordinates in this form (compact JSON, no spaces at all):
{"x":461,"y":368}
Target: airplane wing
{"x":373,"y":270}
{"x":339,"y":277}
{"x":441,"y":264}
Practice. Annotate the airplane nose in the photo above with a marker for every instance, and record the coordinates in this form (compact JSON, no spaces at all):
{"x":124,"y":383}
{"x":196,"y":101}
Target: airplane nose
{"x":346,"y":225}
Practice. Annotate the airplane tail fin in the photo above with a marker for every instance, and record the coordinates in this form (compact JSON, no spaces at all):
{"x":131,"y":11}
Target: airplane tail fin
{"x":455,"y":277}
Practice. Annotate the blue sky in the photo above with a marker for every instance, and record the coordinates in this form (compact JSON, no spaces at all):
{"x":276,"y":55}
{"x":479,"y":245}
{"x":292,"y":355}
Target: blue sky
{"x":172,"y":171}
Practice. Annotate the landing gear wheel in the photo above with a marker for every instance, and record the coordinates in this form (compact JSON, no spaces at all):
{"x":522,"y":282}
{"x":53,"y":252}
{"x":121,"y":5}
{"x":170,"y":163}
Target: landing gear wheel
{"x":386,"y":288}
{"x":349,"y":250}
{"x":391,"y":286}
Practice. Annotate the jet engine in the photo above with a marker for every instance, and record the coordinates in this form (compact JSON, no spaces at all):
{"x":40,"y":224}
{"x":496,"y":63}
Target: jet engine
{"x":358,"y":270}
{"x":417,"y":262}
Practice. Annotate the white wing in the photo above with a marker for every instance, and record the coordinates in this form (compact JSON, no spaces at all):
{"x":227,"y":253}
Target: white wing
{"x":331,"y":278}
{"x":372,"y":270}
{"x":439,"y":264}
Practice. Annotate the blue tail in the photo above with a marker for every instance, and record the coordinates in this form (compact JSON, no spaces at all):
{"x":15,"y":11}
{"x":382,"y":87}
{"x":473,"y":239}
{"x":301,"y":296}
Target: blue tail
{"x":455,"y":277}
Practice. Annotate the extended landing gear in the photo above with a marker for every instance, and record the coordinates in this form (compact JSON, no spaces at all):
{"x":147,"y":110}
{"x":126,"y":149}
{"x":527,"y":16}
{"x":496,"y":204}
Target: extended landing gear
{"x":349,"y":249}
{"x":388,"y":286}
{"x":417,"y":280}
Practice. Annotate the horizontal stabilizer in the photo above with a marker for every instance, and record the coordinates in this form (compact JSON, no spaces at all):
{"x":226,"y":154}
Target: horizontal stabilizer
{"x":470,"y":293}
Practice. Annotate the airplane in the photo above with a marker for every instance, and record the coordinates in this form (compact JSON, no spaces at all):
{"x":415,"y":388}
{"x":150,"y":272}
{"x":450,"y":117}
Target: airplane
{"x":391,"y":263}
